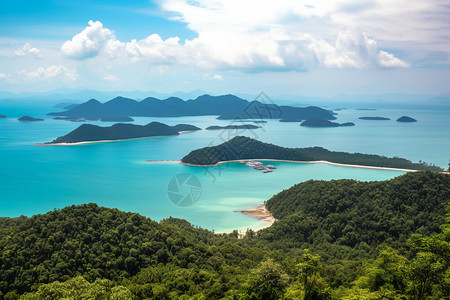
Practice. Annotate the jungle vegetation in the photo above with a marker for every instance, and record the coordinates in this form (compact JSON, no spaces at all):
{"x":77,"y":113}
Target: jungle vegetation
{"x":339,"y":239}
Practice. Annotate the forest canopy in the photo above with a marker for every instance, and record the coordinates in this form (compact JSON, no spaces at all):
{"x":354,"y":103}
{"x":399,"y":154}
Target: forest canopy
{"x":339,"y":239}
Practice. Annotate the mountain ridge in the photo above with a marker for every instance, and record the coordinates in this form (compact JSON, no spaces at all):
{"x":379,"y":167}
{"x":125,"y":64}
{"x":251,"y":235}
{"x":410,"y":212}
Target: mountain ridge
{"x":226,"y":107}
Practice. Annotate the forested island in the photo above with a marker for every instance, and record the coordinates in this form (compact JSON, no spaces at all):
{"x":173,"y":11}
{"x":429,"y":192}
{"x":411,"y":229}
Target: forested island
{"x":245,"y":126}
{"x":406,"y":119}
{"x":29,"y":119}
{"x":374,"y":118}
{"x":324,"y":123}
{"x":119,"y":131}
{"x":339,"y":239}
{"x":3,"y":116}
{"x":226,"y":107}
{"x":241,"y":147}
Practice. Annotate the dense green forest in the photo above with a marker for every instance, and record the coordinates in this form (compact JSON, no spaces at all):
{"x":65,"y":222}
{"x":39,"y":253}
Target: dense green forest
{"x":339,"y":239}
{"x":120,"y":131}
{"x":241,"y":147}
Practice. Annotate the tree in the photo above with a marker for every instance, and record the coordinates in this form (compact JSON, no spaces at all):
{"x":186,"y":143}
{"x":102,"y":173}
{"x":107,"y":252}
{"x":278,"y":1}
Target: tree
{"x":268,"y":281}
{"x":313,"y":285}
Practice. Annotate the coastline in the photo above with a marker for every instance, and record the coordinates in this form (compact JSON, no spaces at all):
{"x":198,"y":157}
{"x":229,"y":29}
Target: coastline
{"x":259,"y":213}
{"x":303,"y":162}
{"x":107,"y":141}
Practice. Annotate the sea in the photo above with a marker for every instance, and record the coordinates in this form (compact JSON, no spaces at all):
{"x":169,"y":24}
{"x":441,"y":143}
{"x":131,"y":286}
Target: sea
{"x":143,"y":175}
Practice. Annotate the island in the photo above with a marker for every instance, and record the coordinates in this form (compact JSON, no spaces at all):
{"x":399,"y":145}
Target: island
{"x":69,"y":119}
{"x":245,"y":126}
{"x":245,"y":148}
{"x":226,"y":107}
{"x":93,"y":133}
{"x":374,"y":118}
{"x":406,"y":119}
{"x":29,"y":119}
{"x":3,"y":116}
{"x":324,"y":123}
{"x":291,"y":120}
{"x":117,"y":119}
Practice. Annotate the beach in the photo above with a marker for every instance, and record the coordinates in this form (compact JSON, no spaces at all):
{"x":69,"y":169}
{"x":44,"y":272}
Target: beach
{"x":107,"y":141}
{"x":303,"y":162}
{"x":259,"y":213}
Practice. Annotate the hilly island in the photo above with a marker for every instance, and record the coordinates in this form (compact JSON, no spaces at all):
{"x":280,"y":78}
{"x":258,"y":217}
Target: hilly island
{"x":226,"y":107}
{"x":119,"y":131}
{"x":242,"y":148}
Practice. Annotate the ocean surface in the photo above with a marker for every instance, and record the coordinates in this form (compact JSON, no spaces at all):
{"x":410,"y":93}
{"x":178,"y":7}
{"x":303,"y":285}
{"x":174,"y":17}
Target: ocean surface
{"x":36,"y":179}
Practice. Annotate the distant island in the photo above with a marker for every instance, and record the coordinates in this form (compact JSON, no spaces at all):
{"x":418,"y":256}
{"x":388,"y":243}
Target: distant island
{"x":119,"y":131}
{"x":243,"y":148}
{"x":406,"y":119}
{"x":3,"y":116}
{"x":29,"y":119}
{"x":245,"y":126}
{"x":226,"y":107}
{"x":104,"y":119}
{"x":374,"y":118}
{"x":324,"y":123}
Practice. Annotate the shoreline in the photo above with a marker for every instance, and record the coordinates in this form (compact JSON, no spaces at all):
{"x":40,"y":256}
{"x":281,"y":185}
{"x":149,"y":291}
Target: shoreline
{"x":107,"y":141}
{"x":303,"y":162}
{"x":259,"y":213}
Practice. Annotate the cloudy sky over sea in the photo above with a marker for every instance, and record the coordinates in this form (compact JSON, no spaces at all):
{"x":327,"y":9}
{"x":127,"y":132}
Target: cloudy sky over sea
{"x":315,"y":48}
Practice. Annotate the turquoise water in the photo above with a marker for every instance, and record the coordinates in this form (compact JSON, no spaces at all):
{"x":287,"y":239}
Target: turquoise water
{"x":36,"y":179}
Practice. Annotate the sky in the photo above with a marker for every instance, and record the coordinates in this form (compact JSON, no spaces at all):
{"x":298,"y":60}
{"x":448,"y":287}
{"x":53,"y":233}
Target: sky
{"x":310,"y":48}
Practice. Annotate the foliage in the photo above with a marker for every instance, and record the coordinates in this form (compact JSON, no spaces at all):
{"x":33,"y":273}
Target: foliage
{"x":120,"y":131}
{"x":267,"y":282}
{"x":366,"y":240}
{"x":241,"y":147}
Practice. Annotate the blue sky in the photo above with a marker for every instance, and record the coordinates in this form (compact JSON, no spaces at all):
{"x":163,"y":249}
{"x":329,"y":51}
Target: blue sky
{"x":311,"y":48}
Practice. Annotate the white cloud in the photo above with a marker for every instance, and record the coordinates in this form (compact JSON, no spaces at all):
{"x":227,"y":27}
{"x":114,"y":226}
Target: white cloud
{"x":52,"y":72}
{"x":155,"y":49}
{"x":110,"y":77}
{"x":89,"y":42}
{"x":218,"y":77}
{"x":388,"y":60}
{"x":257,"y":36}
{"x":28,"y":50}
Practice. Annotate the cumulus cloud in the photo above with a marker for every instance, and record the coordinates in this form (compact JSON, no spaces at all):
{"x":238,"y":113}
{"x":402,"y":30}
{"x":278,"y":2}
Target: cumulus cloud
{"x":234,"y":35}
{"x":2,"y":75}
{"x":89,"y":42}
{"x":218,"y":77}
{"x":28,"y":50}
{"x":52,"y":72}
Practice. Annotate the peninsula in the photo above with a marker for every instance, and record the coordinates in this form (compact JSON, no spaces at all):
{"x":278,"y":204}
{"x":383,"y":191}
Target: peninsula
{"x":324,"y":123}
{"x":29,"y":119}
{"x":119,"y":131}
{"x":244,"y":148}
{"x":226,"y":107}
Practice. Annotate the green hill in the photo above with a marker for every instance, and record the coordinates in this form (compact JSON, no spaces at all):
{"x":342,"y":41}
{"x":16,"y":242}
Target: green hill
{"x":391,"y":236}
{"x":358,"y":215}
{"x":241,"y":147}
{"x":119,"y":131}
